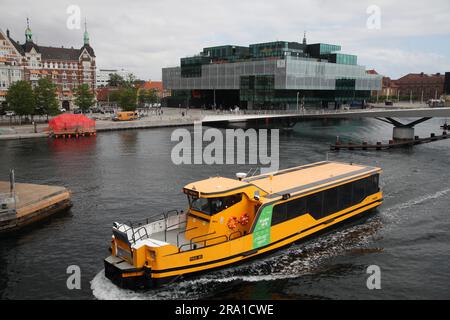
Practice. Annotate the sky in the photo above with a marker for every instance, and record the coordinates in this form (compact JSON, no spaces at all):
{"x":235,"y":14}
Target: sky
{"x":143,"y":36}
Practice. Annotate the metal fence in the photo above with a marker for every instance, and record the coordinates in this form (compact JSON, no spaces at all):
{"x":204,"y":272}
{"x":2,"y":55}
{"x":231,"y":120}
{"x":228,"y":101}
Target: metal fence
{"x":8,"y":206}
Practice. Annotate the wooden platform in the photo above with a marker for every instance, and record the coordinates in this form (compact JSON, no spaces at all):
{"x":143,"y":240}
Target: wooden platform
{"x":33,"y":203}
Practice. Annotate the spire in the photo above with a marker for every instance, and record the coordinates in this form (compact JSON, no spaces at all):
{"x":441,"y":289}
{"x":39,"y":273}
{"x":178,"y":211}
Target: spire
{"x":28,"y":33}
{"x":304,"y":38}
{"x":86,"y":34}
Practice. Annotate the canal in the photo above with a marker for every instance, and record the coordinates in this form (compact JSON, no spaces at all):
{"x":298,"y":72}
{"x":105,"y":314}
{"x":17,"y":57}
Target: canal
{"x":128,"y":175}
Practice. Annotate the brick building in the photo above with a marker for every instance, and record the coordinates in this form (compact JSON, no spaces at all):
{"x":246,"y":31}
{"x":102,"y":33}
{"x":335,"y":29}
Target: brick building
{"x":66,"y":67}
{"x":157,"y":86}
{"x":421,"y":86}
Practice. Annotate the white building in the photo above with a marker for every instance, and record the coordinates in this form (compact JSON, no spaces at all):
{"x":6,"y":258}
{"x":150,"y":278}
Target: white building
{"x":103,"y":75}
{"x":10,"y":68}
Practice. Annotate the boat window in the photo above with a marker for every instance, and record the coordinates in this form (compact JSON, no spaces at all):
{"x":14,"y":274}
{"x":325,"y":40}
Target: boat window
{"x":372,"y":184}
{"x":359,"y":192}
{"x":199,"y":204}
{"x":330,"y":201}
{"x":345,"y":196}
{"x":296,"y":208}
{"x":223,"y":203}
{"x":314,"y":205}
{"x":212,"y":206}
{"x":279,"y":214}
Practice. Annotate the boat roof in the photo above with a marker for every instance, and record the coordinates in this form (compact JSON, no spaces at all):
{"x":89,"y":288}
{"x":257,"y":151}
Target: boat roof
{"x":216,"y":185}
{"x":293,"y":180}
{"x":309,"y":177}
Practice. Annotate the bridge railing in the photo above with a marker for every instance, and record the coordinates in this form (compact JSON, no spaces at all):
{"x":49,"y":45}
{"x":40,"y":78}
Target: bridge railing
{"x":291,"y":111}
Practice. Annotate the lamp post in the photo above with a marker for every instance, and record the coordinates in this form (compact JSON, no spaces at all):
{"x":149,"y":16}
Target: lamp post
{"x":297,"y":100}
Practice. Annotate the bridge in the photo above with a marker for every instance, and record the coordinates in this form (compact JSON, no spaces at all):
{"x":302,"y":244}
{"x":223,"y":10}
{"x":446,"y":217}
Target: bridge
{"x":401,"y":131}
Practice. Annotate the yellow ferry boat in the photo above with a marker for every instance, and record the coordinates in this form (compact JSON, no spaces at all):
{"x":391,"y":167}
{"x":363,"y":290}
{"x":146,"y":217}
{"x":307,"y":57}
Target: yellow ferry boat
{"x":233,"y":220}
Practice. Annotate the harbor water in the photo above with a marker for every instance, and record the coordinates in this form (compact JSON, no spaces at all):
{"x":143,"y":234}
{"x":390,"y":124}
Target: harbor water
{"x":128,"y":175}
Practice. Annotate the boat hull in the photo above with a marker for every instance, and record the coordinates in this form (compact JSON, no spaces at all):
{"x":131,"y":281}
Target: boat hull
{"x":146,"y":278}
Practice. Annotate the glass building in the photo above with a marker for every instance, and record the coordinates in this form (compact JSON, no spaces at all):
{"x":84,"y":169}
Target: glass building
{"x":276,"y":74}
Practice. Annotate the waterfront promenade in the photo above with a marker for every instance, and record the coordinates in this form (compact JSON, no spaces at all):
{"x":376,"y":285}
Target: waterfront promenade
{"x":173,"y":117}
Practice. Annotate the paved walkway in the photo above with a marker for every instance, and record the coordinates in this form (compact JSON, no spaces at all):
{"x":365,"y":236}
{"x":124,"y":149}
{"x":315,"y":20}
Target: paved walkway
{"x":170,"y":117}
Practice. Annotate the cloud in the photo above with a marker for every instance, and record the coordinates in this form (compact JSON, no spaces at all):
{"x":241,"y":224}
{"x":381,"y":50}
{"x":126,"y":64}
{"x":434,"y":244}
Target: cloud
{"x":144,"y":36}
{"x":394,"y":61}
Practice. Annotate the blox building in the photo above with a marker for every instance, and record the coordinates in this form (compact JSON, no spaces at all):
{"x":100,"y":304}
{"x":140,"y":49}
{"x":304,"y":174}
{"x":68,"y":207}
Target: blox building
{"x":277,"y":74}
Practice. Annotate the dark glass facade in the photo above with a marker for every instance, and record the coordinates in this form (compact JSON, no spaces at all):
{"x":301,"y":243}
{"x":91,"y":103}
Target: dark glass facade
{"x":447,"y":83}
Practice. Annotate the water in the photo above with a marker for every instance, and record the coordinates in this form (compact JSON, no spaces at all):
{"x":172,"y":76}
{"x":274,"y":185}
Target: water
{"x":121,"y":176}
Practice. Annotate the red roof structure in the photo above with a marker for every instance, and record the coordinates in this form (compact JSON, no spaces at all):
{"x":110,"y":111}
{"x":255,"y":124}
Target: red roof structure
{"x":71,"y":124}
{"x":158,"y":85}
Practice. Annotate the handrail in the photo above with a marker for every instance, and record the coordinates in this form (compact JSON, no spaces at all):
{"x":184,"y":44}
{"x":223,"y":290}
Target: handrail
{"x":138,"y":231}
{"x":180,"y":232}
{"x":221,"y":236}
{"x":139,"y":225}
{"x":192,"y":239}
{"x":203,"y":235}
{"x":204,"y":241}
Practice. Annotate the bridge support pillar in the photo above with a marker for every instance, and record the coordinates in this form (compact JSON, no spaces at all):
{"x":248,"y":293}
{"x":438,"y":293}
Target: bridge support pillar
{"x":403,"y":133}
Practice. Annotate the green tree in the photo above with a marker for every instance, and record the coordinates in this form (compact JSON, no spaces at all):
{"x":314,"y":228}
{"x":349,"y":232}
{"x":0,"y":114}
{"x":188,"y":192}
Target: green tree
{"x":114,"y":95}
{"x":127,"y":99}
{"x":148,"y":96}
{"x":84,"y":97}
{"x":20,"y":98}
{"x":46,"y":98}
{"x":115,"y":80}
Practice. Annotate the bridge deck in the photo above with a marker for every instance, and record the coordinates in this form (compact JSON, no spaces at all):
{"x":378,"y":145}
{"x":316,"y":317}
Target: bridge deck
{"x":323,"y":114}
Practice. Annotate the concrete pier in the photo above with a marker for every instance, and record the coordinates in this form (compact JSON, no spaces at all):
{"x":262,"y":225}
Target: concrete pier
{"x":403,"y":134}
{"x":32,"y":203}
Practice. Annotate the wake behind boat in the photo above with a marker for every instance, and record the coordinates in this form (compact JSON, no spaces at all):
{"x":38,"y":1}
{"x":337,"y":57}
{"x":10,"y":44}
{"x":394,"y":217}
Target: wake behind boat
{"x":233,"y":220}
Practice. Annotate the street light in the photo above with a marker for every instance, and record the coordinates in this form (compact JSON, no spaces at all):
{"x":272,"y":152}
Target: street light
{"x":297,"y":100}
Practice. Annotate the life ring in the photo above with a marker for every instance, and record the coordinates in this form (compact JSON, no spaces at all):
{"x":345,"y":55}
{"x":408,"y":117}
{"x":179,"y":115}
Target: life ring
{"x":244,"y":219}
{"x":232,"y":223}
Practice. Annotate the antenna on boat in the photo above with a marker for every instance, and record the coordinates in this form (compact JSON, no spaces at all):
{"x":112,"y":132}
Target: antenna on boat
{"x":270,"y":179}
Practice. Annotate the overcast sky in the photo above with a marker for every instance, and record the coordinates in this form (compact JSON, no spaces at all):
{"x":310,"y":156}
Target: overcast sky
{"x":145,"y":35}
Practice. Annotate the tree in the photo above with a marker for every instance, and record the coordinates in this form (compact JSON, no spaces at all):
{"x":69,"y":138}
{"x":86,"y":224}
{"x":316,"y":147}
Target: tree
{"x":148,"y":96}
{"x":127,"y":99}
{"x":46,"y":98}
{"x":115,"y":80}
{"x":84,"y":97}
{"x":20,"y":98}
